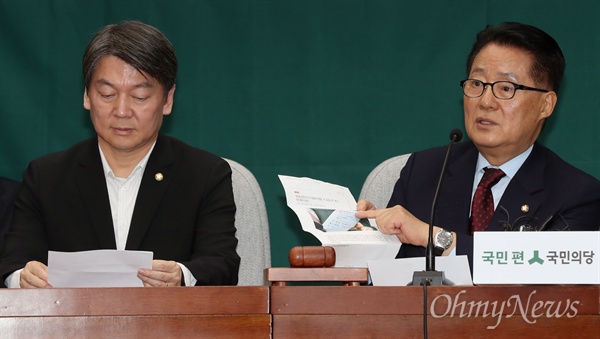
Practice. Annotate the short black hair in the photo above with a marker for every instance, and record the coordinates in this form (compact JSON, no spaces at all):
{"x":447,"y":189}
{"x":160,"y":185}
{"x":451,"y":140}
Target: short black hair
{"x":139,"y":45}
{"x":548,"y":60}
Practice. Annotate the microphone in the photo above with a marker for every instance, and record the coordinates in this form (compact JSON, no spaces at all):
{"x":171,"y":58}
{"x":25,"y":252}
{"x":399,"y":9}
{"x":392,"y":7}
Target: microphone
{"x":430,"y":276}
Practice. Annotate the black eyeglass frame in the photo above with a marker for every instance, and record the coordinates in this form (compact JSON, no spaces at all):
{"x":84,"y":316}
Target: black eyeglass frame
{"x":491,"y":84}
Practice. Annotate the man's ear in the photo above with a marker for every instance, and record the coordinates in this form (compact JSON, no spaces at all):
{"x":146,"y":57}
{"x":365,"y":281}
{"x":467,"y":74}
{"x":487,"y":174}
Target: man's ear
{"x":86,"y":100}
{"x":549,"y":104}
{"x":168,"y":106}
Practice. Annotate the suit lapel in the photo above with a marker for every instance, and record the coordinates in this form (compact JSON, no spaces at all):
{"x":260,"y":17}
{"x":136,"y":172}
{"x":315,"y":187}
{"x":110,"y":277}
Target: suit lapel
{"x":92,"y":185}
{"x":155,"y":181}
{"x":519,"y":200}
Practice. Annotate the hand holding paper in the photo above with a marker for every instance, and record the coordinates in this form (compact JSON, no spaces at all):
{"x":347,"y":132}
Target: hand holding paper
{"x":398,"y":220}
{"x":163,"y":274}
{"x":328,"y":212}
{"x":34,"y":275}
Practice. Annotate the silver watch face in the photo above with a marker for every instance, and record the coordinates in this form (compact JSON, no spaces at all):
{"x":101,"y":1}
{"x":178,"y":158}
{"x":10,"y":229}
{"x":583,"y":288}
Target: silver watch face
{"x":443,"y":239}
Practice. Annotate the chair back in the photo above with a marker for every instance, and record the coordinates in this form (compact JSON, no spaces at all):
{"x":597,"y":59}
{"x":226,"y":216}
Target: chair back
{"x":379,"y":185}
{"x":251,"y":222}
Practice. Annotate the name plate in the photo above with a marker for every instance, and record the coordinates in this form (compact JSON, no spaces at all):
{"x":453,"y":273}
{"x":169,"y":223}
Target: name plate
{"x":536,"y":258}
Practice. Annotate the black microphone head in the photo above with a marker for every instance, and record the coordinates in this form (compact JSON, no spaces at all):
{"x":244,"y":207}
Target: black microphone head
{"x":456,"y":135}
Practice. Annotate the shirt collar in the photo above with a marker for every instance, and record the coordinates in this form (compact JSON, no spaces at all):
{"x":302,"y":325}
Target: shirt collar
{"x":509,"y":168}
{"x":108,"y":172}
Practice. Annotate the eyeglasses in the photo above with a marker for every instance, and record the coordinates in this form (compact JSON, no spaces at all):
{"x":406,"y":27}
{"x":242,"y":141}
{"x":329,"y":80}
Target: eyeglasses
{"x":503,"y":90}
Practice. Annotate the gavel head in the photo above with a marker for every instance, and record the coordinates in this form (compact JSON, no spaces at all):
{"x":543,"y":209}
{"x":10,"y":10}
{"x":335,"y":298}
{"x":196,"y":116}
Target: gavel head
{"x":312,"y":256}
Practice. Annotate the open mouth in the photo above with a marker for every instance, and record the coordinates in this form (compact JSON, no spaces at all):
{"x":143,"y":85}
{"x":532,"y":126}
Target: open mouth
{"x":485,"y":122}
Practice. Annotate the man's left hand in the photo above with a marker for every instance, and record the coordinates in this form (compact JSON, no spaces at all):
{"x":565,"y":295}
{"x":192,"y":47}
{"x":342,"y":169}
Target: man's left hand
{"x":163,"y":274}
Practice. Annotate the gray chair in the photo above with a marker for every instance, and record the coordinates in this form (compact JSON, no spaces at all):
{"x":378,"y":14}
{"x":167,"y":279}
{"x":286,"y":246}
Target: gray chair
{"x":379,"y":185}
{"x":254,"y":246}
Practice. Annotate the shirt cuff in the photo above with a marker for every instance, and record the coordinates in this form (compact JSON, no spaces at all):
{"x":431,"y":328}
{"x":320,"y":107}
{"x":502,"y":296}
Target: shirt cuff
{"x":188,"y":277}
{"x":12,"y":281}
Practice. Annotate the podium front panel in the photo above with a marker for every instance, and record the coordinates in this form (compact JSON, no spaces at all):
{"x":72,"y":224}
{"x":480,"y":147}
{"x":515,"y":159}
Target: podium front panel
{"x":468,"y":312}
{"x":232,"y":312}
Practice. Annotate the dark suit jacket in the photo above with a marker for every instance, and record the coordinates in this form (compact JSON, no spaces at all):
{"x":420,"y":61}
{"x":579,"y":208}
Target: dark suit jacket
{"x":8,"y":192}
{"x":187,"y":217}
{"x":547,"y":184}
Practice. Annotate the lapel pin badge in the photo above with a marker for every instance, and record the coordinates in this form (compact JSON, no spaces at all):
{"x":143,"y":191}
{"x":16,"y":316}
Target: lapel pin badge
{"x":525,"y":208}
{"x":159,"y":177}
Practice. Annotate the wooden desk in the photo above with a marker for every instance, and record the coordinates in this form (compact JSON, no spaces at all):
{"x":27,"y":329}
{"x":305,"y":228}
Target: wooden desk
{"x":458,"y":312}
{"x":302,"y":312}
{"x":182,"y":312}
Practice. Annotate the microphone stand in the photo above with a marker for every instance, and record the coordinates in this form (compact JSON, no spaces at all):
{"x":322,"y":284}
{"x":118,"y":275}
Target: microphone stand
{"x":431,"y":277}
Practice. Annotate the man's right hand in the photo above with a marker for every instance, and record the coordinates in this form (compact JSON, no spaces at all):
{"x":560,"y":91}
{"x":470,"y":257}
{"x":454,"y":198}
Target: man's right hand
{"x":34,"y":275}
{"x":399,"y":221}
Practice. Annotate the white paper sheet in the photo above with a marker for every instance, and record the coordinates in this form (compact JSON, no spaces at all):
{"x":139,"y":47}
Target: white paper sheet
{"x":327,"y":211}
{"x":100,"y":268}
{"x":399,"y":272}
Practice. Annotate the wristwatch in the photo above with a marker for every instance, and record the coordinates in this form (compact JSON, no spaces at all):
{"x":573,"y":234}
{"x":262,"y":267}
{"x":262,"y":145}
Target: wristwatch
{"x":442,"y":241}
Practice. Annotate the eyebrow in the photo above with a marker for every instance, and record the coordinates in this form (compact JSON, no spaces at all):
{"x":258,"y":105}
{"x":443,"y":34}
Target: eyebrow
{"x":144,"y":84}
{"x":510,"y":75}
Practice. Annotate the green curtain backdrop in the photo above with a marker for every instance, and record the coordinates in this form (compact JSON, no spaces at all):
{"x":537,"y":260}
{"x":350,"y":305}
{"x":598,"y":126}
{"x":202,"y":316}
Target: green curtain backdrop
{"x":324,"y":88}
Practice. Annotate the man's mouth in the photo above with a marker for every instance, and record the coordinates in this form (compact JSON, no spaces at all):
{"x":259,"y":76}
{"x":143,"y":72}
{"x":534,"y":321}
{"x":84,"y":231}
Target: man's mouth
{"x":485,"y":122}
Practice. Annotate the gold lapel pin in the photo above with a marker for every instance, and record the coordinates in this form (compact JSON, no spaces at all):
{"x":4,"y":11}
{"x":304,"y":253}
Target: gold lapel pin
{"x":525,"y":208}
{"x":159,"y":177}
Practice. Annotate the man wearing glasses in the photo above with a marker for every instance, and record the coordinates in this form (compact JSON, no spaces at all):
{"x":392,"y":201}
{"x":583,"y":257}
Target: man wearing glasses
{"x":502,"y":179}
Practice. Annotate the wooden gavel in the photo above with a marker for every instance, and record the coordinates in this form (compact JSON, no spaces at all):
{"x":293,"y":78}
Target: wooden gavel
{"x":312,"y":256}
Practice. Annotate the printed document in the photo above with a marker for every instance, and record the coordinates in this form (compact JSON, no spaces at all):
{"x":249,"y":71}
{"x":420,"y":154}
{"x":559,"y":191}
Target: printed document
{"x":327,"y":212}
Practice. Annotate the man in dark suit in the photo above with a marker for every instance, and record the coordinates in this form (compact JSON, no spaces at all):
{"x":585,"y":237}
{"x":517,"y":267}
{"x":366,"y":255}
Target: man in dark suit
{"x":130,"y":187}
{"x":514,"y":73}
{"x":8,"y":192}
